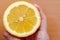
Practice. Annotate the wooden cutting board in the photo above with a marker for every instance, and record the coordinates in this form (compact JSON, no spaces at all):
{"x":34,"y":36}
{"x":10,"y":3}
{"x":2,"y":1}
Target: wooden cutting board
{"x":50,"y":7}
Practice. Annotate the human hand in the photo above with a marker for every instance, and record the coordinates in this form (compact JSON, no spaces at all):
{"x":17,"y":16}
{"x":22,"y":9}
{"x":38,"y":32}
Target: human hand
{"x":41,"y":34}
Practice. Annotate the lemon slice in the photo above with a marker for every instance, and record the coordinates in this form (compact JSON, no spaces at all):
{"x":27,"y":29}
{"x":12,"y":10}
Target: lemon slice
{"x":21,"y":19}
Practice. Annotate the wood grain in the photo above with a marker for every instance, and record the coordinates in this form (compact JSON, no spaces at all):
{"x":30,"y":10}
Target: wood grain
{"x":50,"y":7}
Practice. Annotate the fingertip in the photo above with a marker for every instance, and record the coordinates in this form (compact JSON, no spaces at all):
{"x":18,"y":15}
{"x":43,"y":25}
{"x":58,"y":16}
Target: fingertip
{"x":6,"y":34}
{"x":9,"y":37}
{"x":41,"y":11}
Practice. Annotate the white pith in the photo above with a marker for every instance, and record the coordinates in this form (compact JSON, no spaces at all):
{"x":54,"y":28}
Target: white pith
{"x":15,"y":5}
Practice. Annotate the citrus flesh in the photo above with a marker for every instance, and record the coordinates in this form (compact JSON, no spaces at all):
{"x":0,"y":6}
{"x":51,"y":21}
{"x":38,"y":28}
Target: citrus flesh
{"x":21,"y":19}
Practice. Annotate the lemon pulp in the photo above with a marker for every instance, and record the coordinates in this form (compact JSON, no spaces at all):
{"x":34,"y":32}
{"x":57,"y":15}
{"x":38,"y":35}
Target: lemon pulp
{"x":22,"y":19}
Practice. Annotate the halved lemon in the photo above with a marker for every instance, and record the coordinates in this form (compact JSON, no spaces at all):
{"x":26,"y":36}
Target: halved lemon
{"x":21,"y":19}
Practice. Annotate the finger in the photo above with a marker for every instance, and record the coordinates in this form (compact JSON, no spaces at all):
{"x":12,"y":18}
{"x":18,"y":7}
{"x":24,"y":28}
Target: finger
{"x":41,"y":12}
{"x":42,"y":34}
{"x":44,"y":19}
{"x":9,"y":37}
{"x":6,"y":35}
{"x":32,"y":37}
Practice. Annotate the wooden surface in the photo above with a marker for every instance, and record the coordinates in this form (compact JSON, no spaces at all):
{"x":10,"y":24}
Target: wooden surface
{"x":50,"y":7}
